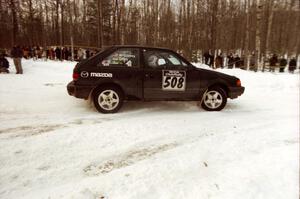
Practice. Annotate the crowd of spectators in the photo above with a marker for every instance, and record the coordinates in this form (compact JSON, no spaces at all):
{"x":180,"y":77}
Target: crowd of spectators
{"x":57,"y":53}
{"x":221,"y":61}
{"x":65,"y":53}
{"x":38,"y":52}
{"x":235,"y":61}
{"x":77,"y":54}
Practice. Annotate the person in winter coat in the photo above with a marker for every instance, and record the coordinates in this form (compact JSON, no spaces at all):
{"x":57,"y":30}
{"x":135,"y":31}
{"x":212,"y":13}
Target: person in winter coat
{"x":17,"y":54}
{"x":39,"y":52}
{"x":230,"y":60}
{"x":26,"y":52}
{"x":58,"y":53}
{"x":4,"y":65}
{"x":52,"y":54}
{"x":80,"y":54}
{"x":282,"y":64}
{"x":292,"y":65}
{"x":273,"y":62}
{"x":253,"y":62}
{"x":75,"y":54}
{"x":87,"y":53}
{"x":65,"y":53}
{"x":238,"y":62}
{"x":206,"y":56}
{"x":219,"y":61}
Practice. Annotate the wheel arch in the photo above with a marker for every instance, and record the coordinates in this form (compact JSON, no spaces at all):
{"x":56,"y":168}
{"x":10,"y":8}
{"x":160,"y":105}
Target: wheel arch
{"x":106,"y":84}
{"x":221,"y":85}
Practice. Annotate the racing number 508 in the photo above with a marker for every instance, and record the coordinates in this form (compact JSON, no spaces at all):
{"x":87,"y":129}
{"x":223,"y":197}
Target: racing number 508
{"x":174,"y":82}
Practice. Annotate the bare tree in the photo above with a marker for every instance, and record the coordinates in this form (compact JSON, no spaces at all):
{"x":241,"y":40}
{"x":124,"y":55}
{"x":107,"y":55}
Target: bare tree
{"x":13,"y":8}
{"x":189,"y":26}
{"x":99,"y":25}
{"x":259,"y":7}
{"x":214,"y":12}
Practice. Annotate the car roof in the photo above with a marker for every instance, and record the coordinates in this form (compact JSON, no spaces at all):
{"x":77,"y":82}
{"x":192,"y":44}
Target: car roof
{"x":139,"y":46}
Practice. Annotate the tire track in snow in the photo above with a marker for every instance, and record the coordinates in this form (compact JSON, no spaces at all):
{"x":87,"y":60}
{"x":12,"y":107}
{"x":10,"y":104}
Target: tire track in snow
{"x":134,"y":156}
{"x":30,"y":130}
{"x":126,"y":159}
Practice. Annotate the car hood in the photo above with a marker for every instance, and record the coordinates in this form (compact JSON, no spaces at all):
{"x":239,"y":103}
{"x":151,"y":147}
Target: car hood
{"x":229,"y":78}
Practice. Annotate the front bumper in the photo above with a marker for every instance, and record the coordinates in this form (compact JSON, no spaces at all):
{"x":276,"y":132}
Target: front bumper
{"x":77,"y":91}
{"x":234,"y":92}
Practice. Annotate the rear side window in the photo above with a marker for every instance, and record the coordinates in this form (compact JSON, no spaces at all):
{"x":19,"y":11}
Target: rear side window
{"x":157,"y":58}
{"x":126,"y":57}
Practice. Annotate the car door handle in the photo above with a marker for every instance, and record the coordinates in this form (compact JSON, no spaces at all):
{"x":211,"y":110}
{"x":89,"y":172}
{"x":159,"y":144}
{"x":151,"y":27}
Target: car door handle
{"x":148,"y":76}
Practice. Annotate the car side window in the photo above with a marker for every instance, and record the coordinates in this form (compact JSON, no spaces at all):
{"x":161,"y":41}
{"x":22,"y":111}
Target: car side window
{"x":157,"y":58}
{"x":127,"y":57}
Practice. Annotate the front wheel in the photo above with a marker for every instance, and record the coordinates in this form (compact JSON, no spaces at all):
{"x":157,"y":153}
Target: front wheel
{"x":108,"y":99}
{"x":214,"y":99}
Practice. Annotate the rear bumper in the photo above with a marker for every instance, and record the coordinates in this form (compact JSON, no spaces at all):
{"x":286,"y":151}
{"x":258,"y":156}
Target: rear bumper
{"x":82,"y":92}
{"x":234,"y":92}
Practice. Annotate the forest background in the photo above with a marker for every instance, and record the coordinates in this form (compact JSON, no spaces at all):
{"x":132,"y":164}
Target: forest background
{"x":188,"y":26}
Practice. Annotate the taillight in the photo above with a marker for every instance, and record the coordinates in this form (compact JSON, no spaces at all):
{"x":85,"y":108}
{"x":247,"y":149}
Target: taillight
{"x":238,"y":82}
{"x":75,"y":76}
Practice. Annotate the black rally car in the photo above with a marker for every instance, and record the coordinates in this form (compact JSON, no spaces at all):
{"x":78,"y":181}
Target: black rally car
{"x":121,"y":73}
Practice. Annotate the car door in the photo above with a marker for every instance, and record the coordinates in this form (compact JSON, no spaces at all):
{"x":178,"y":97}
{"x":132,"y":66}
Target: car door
{"x":125,"y":68}
{"x":168,"y":77}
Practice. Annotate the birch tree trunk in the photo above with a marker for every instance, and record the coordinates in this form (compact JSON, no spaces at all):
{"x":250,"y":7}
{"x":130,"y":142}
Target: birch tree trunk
{"x":247,"y":49}
{"x":215,"y":5}
{"x":84,"y":19}
{"x":14,"y":22}
{"x":75,"y":21}
{"x":114,"y":21}
{"x":259,"y":7}
{"x":30,"y":23}
{"x":57,"y":21}
{"x":297,"y":50}
{"x":71,"y":29}
{"x":122,"y":22}
{"x":272,"y":4}
{"x":61,"y":25}
{"x":46,"y":34}
{"x":100,"y":24}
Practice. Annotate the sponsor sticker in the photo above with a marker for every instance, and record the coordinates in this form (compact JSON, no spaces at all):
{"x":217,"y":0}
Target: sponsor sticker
{"x":86,"y":74}
{"x":109,"y":75}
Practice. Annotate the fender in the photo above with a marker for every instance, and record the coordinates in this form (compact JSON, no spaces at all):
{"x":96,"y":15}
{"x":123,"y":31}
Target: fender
{"x":218,"y":82}
{"x":102,"y":82}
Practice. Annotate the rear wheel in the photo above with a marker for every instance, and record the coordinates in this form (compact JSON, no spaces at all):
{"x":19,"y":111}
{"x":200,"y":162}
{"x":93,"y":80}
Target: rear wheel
{"x":214,"y":99}
{"x":108,"y":99}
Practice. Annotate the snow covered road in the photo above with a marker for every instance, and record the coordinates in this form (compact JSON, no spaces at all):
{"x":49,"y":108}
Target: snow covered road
{"x":56,"y":146}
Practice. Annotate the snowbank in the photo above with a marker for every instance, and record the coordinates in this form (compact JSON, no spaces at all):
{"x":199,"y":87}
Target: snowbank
{"x":56,"y":146}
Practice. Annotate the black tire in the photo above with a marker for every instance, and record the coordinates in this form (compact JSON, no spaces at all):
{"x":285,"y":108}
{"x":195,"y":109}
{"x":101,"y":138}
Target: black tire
{"x":214,"y":99}
{"x":108,"y":99}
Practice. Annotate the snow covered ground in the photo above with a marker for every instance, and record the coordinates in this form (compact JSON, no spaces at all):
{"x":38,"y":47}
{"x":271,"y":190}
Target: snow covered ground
{"x":56,"y":146}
